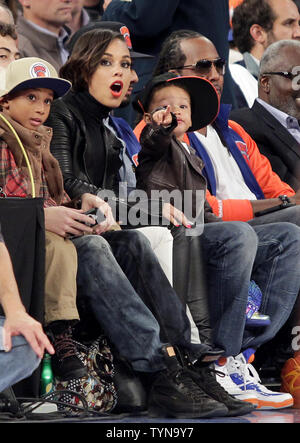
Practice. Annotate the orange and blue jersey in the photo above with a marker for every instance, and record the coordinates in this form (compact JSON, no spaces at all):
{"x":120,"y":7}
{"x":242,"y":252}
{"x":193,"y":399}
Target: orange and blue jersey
{"x":255,"y":168}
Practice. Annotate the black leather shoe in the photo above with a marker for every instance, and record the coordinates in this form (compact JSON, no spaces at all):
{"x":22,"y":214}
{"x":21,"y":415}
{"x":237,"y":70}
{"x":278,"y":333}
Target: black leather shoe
{"x":131,"y":394}
{"x":204,"y":376}
{"x":175,"y":394}
{"x":65,"y":363}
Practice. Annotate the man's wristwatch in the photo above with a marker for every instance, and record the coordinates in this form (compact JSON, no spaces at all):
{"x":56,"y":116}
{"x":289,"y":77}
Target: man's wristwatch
{"x":285,"y":200}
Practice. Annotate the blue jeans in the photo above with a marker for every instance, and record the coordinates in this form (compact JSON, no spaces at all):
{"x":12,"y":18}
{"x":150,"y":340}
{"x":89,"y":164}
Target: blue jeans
{"x":17,"y":364}
{"x":120,"y":279}
{"x":235,"y":253}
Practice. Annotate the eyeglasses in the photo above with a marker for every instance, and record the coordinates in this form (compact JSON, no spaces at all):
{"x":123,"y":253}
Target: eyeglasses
{"x":285,"y":74}
{"x":203,"y":67}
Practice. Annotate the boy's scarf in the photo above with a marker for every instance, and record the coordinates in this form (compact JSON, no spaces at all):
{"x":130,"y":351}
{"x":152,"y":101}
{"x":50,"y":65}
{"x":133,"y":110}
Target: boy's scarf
{"x":37,"y":146}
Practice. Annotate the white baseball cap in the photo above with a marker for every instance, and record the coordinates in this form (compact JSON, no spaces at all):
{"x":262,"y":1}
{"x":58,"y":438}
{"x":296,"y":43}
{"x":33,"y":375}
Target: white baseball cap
{"x":31,"y":73}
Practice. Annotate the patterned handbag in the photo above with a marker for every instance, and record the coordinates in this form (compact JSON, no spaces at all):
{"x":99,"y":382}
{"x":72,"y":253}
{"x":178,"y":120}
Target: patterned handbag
{"x":97,"y":387}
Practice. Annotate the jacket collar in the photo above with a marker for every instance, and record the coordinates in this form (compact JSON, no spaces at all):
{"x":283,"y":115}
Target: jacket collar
{"x":45,"y":40}
{"x":279,"y":130}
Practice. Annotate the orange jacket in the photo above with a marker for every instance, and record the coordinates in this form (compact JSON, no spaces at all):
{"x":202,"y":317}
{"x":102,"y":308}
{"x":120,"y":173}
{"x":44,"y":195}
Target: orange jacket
{"x":270,"y":183}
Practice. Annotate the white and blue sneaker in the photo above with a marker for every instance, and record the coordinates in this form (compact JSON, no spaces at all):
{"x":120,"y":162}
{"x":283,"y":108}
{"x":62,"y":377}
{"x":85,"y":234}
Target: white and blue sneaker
{"x":224,"y":379}
{"x":244,"y":375}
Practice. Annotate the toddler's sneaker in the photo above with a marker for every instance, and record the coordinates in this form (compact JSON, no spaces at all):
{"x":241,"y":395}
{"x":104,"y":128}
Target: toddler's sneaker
{"x":258,"y":320}
{"x":244,"y":375}
{"x":253,"y":317}
{"x":290,"y":379}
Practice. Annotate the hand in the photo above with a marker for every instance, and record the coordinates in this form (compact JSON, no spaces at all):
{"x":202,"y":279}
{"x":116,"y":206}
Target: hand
{"x":90,"y":201}
{"x":175,"y":216}
{"x":105,"y":4}
{"x":162,"y":116}
{"x":20,"y":323}
{"x":65,"y":221}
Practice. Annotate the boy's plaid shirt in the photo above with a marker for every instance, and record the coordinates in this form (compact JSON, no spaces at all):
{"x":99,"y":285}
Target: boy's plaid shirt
{"x":15,"y":182}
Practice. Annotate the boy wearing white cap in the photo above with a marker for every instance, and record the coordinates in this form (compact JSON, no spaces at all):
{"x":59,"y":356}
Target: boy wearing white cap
{"x":30,"y":85}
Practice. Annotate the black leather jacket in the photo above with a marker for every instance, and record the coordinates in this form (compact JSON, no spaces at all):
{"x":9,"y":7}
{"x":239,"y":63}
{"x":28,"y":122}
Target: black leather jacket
{"x":164,"y":164}
{"x":89,"y":160}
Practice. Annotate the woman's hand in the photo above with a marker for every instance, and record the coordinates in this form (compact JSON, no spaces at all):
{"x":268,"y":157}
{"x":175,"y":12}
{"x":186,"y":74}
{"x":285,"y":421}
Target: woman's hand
{"x":175,"y":216}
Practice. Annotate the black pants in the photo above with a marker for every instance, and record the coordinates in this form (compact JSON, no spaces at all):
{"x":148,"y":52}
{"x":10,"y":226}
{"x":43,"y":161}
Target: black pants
{"x":189,"y":279}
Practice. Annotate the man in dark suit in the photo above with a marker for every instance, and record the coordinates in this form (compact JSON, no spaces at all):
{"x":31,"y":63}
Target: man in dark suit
{"x":273,"y":120}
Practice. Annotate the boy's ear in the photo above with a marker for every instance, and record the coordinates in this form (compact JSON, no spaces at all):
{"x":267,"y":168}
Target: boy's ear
{"x":147,"y":117}
{"x":4,"y":103}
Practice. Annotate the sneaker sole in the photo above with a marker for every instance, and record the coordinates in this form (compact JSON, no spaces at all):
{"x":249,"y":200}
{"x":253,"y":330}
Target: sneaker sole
{"x":264,"y":404}
{"x":295,"y":395}
{"x":252,"y":400}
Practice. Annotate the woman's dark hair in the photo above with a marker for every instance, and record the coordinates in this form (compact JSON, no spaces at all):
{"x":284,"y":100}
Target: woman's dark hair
{"x":248,"y":13}
{"x":86,"y":56}
{"x":171,"y":55}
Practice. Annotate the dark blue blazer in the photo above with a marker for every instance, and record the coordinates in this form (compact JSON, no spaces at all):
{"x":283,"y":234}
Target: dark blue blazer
{"x":273,"y":140}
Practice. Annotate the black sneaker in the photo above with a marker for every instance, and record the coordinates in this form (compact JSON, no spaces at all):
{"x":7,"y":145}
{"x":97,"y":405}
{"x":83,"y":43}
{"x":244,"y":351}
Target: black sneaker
{"x":65,"y":363}
{"x":204,"y":376}
{"x":175,"y":394}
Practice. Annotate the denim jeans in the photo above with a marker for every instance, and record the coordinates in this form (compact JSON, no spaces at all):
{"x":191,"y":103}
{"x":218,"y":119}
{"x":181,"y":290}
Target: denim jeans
{"x":17,"y":364}
{"x":120,"y":279}
{"x":235,"y":253}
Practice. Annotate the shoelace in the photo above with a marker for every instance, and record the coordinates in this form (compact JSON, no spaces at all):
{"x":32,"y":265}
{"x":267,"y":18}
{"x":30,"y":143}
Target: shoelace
{"x":247,"y":372}
{"x":227,"y":383}
{"x":64,"y":346}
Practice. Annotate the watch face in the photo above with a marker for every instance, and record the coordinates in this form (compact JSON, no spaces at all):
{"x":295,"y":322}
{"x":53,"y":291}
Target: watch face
{"x":285,"y":200}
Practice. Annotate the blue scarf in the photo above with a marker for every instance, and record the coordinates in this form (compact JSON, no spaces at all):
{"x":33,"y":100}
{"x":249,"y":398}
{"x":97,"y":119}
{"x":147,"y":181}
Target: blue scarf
{"x":126,"y":133}
{"x":231,"y":139}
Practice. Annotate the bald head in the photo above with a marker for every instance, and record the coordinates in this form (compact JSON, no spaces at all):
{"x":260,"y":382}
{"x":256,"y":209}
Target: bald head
{"x":275,"y":56}
{"x":6,"y":15}
{"x":279,"y":80}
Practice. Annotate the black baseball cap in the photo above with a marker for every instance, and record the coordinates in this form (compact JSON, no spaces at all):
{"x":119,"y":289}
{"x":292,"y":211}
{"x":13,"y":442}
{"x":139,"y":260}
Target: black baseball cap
{"x":205,"y":100}
{"x":113,"y":26}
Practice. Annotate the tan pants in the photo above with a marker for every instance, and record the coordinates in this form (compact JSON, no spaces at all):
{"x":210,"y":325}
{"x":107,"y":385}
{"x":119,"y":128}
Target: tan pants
{"x":60,"y":279}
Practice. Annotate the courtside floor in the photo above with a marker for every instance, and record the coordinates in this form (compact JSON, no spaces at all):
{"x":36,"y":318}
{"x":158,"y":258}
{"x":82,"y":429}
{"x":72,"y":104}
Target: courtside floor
{"x":115,"y":425}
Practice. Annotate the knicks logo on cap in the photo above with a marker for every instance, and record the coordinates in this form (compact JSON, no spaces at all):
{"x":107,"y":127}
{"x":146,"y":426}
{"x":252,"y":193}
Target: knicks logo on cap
{"x":126,"y":34}
{"x":39,"y":70}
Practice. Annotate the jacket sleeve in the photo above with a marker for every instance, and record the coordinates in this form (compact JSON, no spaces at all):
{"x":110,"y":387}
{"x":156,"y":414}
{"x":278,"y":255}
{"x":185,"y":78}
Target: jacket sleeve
{"x":133,"y":14}
{"x":65,"y":129}
{"x":155,"y":140}
{"x":268,"y":180}
{"x":270,"y":183}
